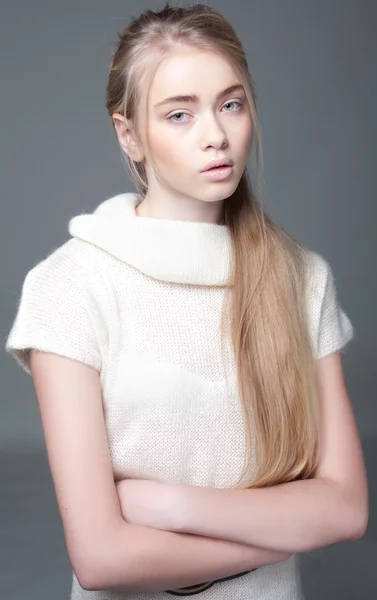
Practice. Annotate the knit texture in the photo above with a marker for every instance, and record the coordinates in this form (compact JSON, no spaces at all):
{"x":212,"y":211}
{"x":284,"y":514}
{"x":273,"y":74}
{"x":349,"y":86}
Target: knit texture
{"x":139,"y":299}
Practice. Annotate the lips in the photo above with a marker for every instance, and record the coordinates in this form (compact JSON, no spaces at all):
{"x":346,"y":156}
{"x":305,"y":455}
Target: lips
{"x":217,"y":163}
{"x":218,"y":173}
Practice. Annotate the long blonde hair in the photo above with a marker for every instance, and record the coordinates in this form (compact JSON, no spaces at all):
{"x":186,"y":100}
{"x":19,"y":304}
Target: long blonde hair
{"x":266,"y":303}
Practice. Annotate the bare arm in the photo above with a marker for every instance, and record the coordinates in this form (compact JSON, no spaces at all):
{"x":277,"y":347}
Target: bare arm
{"x":141,"y":558}
{"x":104,"y":550}
{"x":292,"y":517}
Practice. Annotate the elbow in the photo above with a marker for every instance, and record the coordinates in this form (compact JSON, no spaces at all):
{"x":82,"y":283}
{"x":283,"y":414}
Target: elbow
{"x":357,"y":518}
{"x":83,"y":574}
{"x":90,"y":583}
{"x":360,"y":524}
{"x":94,"y":580}
{"x":86,"y":583}
{"x":92,"y":577}
{"x":92,"y":574}
{"x":99,"y":568}
{"x":89,"y":574}
{"x":89,"y":565}
{"x":353,"y":523}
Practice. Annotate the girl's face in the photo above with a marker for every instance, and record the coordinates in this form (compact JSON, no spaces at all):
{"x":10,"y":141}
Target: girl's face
{"x":208,"y":121}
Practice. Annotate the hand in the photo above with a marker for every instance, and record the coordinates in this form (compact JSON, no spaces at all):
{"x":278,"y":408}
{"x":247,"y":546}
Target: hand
{"x":150,"y":503}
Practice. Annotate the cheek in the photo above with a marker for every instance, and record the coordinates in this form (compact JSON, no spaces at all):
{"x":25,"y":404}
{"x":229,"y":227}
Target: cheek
{"x":166,"y":150}
{"x":244,"y":134}
{"x":241,"y":140}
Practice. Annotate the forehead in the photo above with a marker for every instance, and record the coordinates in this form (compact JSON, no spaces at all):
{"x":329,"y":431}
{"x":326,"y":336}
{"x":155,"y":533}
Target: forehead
{"x":185,"y":72}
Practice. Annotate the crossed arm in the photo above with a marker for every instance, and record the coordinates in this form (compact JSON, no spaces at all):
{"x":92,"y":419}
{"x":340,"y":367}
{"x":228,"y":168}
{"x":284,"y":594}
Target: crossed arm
{"x":109,"y":550}
{"x":292,"y":517}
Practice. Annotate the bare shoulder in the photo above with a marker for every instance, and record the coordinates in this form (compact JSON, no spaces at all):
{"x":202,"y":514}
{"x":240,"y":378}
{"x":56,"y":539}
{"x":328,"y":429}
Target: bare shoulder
{"x":70,"y":402}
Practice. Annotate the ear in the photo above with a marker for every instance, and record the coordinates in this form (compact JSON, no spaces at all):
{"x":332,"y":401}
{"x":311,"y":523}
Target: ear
{"x":127,"y":137}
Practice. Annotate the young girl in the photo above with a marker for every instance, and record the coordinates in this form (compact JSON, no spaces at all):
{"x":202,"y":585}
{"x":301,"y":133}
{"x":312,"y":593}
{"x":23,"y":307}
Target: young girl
{"x":185,"y":350}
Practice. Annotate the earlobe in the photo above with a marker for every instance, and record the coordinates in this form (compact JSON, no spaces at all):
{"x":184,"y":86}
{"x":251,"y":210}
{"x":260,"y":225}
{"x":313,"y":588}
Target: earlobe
{"x":127,"y":138}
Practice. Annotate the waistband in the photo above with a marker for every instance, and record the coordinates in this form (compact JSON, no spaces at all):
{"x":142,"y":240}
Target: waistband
{"x":201,"y":587}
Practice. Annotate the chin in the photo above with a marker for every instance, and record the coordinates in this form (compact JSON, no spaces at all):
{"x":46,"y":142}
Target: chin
{"x":219,"y":192}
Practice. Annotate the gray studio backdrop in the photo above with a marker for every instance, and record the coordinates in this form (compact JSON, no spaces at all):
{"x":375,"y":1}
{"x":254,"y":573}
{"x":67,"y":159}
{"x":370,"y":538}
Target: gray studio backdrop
{"x":313,"y":62}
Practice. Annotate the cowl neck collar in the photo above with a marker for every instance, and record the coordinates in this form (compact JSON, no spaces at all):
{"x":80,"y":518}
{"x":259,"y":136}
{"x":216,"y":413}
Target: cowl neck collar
{"x":168,"y":250}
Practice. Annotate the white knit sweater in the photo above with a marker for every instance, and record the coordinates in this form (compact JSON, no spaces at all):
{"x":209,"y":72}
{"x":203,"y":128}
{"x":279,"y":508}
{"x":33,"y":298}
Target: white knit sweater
{"x":139,"y":299}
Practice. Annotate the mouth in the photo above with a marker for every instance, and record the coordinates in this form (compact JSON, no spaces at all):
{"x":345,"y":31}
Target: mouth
{"x":218,"y":173}
{"x":214,"y":164}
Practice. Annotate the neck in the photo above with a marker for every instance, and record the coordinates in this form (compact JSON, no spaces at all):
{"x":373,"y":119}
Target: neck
{"x":181,"y":209}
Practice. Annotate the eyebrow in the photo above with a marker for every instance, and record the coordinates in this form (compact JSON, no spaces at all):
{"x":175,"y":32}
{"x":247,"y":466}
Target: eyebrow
{"x":193,"y":98}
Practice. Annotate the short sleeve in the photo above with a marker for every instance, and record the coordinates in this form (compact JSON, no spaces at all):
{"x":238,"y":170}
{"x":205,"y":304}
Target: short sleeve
{"x":335,"y":329}
{"x":54,"y":315}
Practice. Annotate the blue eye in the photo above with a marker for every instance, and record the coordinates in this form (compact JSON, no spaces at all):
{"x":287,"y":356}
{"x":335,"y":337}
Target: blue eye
{"x":233,"y":102}
{"x":171,"y":118}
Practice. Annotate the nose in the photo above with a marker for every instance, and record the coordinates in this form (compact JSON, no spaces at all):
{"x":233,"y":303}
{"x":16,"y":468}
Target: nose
{"x":212,"y":134}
